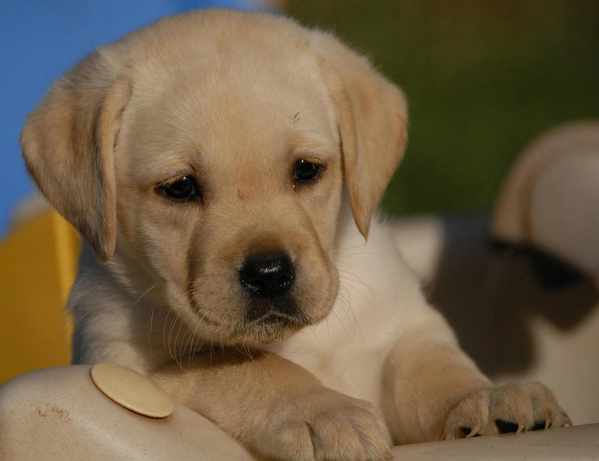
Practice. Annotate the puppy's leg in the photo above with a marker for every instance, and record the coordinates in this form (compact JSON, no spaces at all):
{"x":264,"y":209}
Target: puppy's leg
{"x":433,"y":391}
{"x":278,"y":409}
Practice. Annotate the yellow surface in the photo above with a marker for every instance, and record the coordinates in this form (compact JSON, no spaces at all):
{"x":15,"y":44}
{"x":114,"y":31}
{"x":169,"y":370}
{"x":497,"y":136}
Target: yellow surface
{"x":38,"y":264}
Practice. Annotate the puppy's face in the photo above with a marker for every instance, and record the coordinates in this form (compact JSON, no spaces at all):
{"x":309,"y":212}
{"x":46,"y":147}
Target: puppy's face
{"x":229,"y":194}
{"x":208,"y":152}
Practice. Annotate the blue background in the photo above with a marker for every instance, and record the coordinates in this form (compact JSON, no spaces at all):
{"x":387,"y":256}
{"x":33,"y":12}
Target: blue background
{"x":39,"y":40}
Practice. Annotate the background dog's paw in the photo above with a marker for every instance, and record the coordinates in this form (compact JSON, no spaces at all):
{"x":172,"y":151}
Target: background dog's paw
{"x":326,"y":425}
{"x":509,"y":408}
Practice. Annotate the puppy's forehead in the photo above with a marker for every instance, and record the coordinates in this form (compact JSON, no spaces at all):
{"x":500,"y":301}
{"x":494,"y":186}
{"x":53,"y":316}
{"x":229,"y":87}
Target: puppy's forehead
{"x":236,"y":101}
{"x":254,"y":102}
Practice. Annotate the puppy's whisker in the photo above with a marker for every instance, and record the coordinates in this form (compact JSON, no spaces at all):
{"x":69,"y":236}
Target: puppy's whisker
{"x":249,"y":351}
{"x":171,"y":349}
{"x":191,"y":346}
{"x":371,"y":290}
{"x":150,"y":328}
{"x":361,"y":253}
{"x":342,"y":324}
{"x":347,"y":303}
{"x":242,"y":348}
{"x":192,"y":342}
{"x":183,"y":345}
{"x":168,"y":312}
{"x":168,"y":342}
{"x":351,"y":276}
{"x":313,"y":330}
{"x":196,"y":346}
{"x":337,"y":251}
{"x":236,"y":347}
{"x":176,"y":342}
{"x":357,"y":279}
{"x":344,"y":298}
{"x":345,"y":312}
{"x":367,"y":295}
{"x":145,"y":293}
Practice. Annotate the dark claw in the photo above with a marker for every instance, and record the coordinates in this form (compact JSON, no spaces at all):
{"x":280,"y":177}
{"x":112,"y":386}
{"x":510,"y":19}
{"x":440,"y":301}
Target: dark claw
{"x":505,"y":427}
{"x":538,"y":426}
{"x":466,"y":431}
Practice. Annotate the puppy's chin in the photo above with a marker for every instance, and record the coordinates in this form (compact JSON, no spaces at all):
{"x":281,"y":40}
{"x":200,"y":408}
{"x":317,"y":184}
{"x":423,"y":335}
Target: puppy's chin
{"x":265,"y":330}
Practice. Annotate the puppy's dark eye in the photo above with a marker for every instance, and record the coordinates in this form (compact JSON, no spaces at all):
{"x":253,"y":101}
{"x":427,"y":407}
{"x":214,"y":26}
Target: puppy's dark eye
{"x":182,"y":189}
{"x":306,"y":172}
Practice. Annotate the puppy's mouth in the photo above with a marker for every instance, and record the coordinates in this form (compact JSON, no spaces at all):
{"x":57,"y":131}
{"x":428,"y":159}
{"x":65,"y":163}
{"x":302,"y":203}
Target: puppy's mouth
{"x":285,"y":308}
{"x":267,"y":321}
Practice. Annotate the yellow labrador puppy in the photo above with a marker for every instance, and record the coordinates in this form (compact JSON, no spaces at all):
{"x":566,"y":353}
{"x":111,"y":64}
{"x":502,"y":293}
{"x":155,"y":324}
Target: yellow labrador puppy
{"x":203,"y":158}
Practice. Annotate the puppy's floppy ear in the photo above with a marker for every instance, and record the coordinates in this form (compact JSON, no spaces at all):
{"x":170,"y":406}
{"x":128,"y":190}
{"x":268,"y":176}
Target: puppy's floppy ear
{"x":68,"y":143}
{"x":372,"y":117}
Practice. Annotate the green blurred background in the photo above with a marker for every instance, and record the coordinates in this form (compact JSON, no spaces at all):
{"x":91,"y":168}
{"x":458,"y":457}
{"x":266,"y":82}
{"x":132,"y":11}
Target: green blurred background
{"x":483,"y":78}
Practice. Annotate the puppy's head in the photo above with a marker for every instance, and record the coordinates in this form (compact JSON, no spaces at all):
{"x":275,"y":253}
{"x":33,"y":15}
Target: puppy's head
{"x":205,"y":155}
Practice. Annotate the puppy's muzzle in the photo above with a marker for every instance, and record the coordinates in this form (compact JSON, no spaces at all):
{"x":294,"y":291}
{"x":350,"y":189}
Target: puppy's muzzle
{"x":269,"y":279}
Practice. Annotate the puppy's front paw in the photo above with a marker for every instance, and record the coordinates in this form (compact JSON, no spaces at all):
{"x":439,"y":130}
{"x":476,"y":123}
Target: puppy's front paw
{"x":509,"y":408}
{"x":325,"y":425}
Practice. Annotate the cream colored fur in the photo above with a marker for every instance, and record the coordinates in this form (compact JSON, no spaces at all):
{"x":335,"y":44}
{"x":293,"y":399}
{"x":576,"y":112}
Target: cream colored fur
{"x":234,"y":100}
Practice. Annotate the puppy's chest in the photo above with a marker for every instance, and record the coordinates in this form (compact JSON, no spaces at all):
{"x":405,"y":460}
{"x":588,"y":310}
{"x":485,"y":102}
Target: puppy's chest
{"x":379,"y":298}
{"x":346,"y":352}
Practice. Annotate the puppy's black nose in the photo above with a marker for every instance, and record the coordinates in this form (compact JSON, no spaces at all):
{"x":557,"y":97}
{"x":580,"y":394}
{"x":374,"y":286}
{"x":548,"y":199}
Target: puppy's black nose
{"x":267,"y":275}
